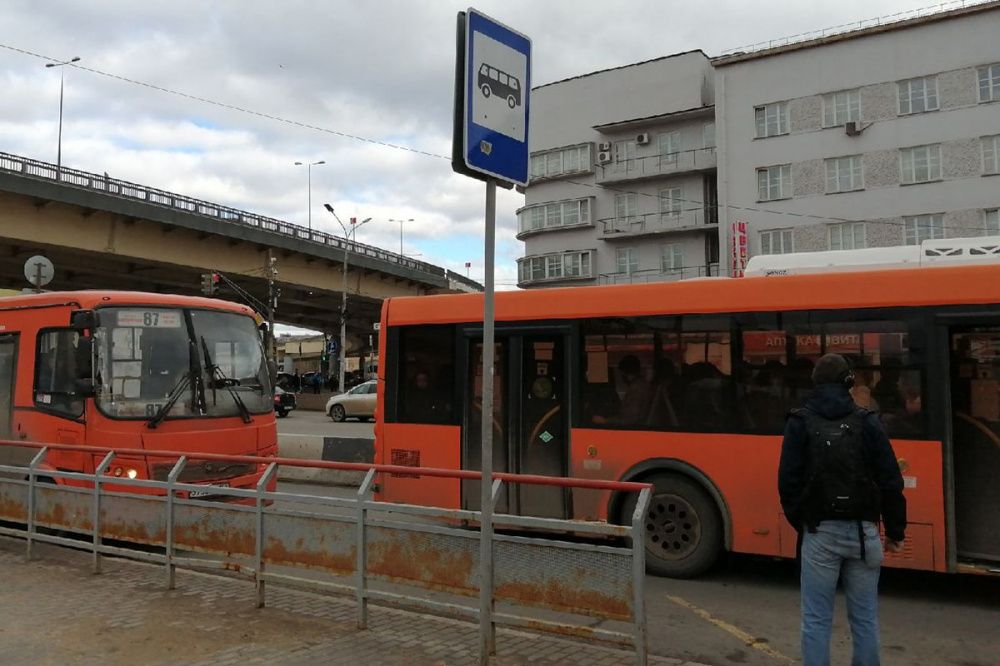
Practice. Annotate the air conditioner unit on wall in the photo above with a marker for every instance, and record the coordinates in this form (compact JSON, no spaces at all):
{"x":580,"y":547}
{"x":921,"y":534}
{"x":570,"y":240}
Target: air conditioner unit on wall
{"x":604,"y":156}
{"x":604,"y":146}
{"x":853,"y":128}
{"x":642,"y":139}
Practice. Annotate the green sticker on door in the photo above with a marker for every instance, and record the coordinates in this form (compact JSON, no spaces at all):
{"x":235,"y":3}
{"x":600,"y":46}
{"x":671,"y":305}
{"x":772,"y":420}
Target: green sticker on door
{"x":546,"y":437}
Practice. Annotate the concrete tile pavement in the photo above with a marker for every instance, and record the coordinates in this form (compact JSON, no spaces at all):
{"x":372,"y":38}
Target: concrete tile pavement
{"x":53,"y":611}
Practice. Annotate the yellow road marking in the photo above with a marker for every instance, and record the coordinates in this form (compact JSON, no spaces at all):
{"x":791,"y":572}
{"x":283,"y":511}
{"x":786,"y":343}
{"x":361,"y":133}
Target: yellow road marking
{"x":747,"y":639}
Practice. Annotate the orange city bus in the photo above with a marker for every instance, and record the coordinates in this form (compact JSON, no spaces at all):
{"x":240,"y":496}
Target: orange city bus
{"x":127,"y":370}
{"x":719,"y":363}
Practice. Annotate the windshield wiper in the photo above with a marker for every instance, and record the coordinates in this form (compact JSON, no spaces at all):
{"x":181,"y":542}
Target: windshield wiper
{"x":172,"y":397}
{"x":219,"y":379}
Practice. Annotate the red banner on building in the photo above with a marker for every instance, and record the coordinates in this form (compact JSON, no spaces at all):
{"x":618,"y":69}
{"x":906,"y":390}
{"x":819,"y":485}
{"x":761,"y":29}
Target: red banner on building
{"x":740,"y":252}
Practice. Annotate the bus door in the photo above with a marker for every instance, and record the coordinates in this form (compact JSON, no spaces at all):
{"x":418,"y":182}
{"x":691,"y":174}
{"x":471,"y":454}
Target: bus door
{"x":975,"y":403}
{"x":530,"y":426}
{"x":9,"y":455}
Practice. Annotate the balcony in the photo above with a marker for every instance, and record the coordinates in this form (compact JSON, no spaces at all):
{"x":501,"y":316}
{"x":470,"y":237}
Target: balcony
{"x":656,"y":166}
{"x":659,"y":275}
{"x":653,"y":224}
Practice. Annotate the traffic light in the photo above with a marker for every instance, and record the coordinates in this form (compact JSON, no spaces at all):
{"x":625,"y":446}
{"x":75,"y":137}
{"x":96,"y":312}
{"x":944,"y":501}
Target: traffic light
{"x":210,"y":283}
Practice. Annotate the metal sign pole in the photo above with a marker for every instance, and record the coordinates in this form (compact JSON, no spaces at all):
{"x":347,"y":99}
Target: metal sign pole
{"x":486,"y":633}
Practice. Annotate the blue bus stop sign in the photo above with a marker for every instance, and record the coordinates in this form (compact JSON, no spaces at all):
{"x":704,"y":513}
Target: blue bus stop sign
{"x":497,"y":95}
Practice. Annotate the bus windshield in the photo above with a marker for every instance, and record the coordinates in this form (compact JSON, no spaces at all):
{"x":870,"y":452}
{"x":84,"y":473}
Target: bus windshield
{"x":146,"y":354}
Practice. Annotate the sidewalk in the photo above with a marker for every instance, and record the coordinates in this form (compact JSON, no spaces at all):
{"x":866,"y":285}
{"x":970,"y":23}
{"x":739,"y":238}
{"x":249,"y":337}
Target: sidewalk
{"x":53,"y":611}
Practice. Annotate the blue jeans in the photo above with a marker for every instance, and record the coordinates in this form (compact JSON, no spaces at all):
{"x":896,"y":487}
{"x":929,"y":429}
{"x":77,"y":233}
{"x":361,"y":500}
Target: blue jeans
{"x":833,"y":552}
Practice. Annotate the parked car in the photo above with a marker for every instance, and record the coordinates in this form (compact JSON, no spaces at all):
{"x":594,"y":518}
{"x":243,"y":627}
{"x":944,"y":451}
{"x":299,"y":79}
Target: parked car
{"x":358,"y":402}
{"x":284,"y":402}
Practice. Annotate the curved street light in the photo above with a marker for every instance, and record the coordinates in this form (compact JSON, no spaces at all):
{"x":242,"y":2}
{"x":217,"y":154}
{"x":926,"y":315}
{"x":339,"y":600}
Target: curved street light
{"x":309,"y":166}
{"x":62,"y":85}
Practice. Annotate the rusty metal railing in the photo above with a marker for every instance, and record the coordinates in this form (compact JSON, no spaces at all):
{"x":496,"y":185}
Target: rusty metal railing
{"x":391,"y":553}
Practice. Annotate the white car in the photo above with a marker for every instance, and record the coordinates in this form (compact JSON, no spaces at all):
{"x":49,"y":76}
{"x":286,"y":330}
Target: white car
{"x":359,"y":402}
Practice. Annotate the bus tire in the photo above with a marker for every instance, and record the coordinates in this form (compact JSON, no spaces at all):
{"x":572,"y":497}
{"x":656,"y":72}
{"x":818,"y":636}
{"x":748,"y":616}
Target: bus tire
{"x":683,"y":529}
{"x":486,"y":91}
{"x":511,"y":102}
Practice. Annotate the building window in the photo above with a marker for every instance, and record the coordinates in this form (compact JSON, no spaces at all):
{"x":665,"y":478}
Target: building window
{"x":841,"y":107}
{"x":774,"y":182}
{"x":670,"y":145}
{"x":918,"y":95}
{"x":554,"y":215}
{"x":991,"y":154}
{"x":772,"y":119}
{"x":847,"y":236}
{"x":989,"y":83}
{"x":708,"y":135}
{"x":627,"y":206}
{"x":624,"y":156}
{"x":776,"y":241}
{"x":992,"y":222}
{"x":574,"y":264}
{"x":627,"y":260}
{"x":919,"y":228}
{"x":920,"y":164}
{"x":672,"y":257}
{"x":671,"y":201}
{"x":552,"y":163}
{"x":844,"y":174}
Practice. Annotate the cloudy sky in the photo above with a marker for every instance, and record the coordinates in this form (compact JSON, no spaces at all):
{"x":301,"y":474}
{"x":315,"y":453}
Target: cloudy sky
{"x":378,"y":69}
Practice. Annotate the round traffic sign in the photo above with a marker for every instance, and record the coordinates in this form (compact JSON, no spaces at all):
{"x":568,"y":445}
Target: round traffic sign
{"x":39,"y":271}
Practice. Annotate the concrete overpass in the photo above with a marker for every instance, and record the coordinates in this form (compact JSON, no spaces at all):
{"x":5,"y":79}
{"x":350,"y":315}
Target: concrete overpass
{"x":107,"y":233}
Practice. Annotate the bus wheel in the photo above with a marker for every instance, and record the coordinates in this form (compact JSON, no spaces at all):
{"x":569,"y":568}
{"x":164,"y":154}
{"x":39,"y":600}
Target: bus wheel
{"x":511,"y":102}
{"x":486,"y":91}
{"x":682,"y":527}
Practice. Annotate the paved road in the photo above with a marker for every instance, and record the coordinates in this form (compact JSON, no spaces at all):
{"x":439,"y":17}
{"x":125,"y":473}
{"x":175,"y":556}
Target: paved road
{"x":303,"y":422}
{"x":746,"y":612}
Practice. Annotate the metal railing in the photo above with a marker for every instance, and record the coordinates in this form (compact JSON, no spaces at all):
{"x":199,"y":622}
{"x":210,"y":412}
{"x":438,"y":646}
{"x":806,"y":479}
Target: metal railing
{"x":659,"y":275}
{"x":655,"y":223}
{"x":127,"y":190}
{"x":411,"y":549}
{"x":697,"y":159}
{"x":854,"y":26}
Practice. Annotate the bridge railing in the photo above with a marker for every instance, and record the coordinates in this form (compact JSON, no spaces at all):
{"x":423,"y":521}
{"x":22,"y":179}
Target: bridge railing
{"x":128,"y":190}
{"x":392,"y":553}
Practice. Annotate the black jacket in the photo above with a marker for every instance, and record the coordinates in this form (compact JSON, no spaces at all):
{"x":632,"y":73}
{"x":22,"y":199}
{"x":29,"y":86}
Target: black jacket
{"x":833,"y":402}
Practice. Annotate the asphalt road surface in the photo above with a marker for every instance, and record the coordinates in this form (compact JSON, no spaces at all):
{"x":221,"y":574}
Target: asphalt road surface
{"x":303,"y":422}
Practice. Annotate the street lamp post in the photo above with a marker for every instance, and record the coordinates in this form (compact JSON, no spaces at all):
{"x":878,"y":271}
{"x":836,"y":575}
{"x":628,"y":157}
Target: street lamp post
{"x":348,"y":236}
{"x":62,"y":85}
{"x":401,"y":232}
{"x":309,"y":166}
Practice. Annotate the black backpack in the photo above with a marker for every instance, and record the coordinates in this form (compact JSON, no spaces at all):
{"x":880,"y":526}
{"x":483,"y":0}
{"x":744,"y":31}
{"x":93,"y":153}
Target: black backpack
{"x":839,"y":484}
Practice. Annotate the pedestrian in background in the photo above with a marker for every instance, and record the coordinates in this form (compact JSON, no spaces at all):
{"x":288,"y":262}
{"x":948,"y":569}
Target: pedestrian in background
{"x":838,"y":477}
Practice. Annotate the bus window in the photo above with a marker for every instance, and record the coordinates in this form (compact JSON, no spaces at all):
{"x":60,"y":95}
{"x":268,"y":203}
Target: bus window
{"x":484,"y":70}
{"x":427,"y":374}
{"x":706,"y":377}
{"x":763,"y":380}
{"x":55,"y":372}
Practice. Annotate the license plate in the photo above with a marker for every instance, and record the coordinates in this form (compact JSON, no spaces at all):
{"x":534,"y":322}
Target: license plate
{"x":207,"y":493}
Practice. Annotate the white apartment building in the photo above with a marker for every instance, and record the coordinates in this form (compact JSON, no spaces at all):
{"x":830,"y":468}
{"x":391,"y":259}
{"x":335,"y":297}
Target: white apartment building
{"x":887,"y":135}
{"x":622,"y":165}
{"x":884,"y":136}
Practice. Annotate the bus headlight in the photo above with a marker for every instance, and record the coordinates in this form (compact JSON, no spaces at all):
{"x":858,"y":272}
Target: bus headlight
{"x":131,"y":473}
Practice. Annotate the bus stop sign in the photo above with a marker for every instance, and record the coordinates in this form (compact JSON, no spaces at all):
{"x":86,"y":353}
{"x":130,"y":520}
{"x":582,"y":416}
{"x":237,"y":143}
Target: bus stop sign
{"x":497,"y":89}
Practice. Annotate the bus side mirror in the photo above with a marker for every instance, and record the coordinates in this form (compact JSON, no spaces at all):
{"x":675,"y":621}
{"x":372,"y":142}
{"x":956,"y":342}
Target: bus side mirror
{"x":82,"y":320}
{"x":85,"y":366}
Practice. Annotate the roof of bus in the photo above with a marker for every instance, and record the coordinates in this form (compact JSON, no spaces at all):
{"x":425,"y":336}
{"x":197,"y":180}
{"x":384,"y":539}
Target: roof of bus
{"x":93,"y":299}
{"x":863,"y":289}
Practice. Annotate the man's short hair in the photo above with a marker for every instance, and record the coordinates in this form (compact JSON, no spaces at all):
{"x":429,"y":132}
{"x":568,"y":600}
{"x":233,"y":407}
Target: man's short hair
{"x":830,"y":369}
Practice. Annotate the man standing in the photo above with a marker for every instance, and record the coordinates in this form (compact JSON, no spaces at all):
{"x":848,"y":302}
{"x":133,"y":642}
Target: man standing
{"x":838,"y":476}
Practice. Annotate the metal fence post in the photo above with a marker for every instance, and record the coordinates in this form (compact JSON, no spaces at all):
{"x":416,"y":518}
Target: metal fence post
{"x":96,"y":517}
{"x":32,"y":477}
{"x":639,"y":575}
{"x":171,"y":480}
{"x":492,"y":640}
{"x":259,"y":582}
{"x":363,"y":495}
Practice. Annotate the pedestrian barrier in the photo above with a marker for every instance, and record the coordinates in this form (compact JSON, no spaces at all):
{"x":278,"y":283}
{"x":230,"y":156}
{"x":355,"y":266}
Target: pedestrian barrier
{"x":393,"y":553}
